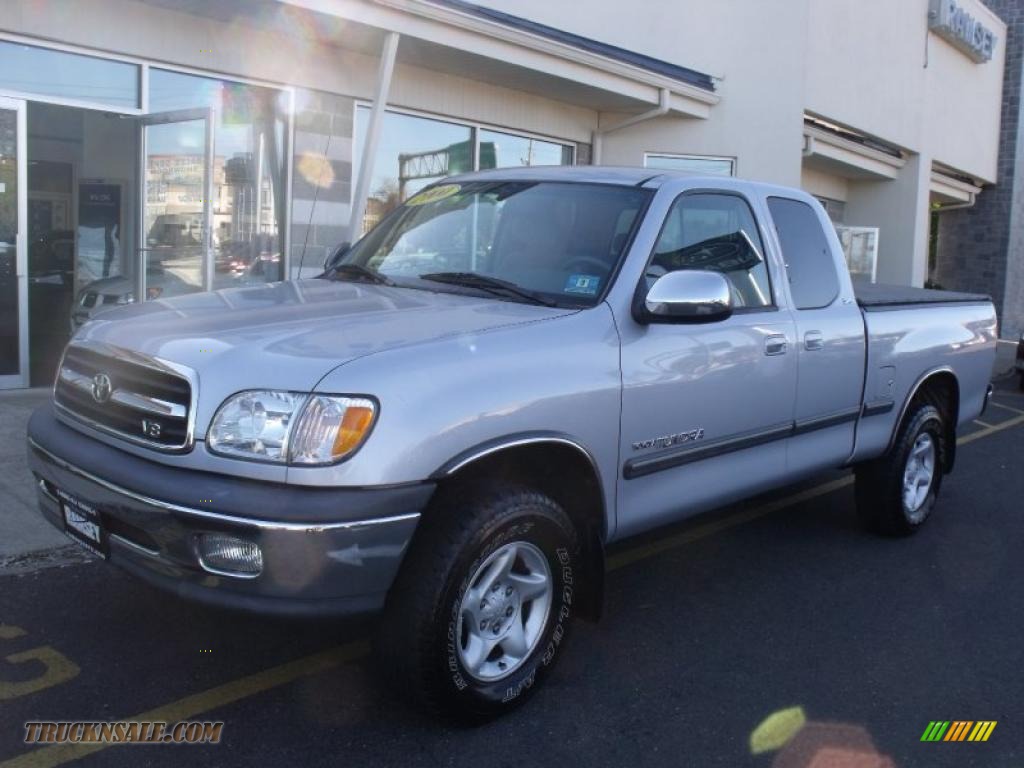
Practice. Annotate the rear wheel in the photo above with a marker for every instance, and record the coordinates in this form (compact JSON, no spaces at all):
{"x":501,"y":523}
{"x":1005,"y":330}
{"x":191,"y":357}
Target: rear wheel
{"x":896,"y":492}
{"x":481,"y":609}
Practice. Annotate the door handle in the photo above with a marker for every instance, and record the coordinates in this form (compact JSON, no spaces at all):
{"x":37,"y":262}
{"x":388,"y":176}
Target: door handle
{"x":814,"y":340}
{"x":775,"y":344}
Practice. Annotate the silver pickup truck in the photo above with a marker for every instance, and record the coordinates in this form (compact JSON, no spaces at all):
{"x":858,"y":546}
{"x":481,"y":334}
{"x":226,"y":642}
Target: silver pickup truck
{"x":513,"y":370}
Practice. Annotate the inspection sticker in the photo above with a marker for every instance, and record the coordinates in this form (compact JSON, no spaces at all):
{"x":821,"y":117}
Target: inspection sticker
{"x":434,"y":194}
{"x":585,"y":284}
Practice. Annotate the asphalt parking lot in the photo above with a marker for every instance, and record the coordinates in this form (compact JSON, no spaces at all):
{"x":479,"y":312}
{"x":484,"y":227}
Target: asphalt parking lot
{"x":779,"y":604}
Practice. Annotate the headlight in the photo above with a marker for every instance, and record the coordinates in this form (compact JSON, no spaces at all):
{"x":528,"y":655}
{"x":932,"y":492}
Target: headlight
{"x":255,"y":425}
{"x":291,"y":427}
{"x":126,"y":298}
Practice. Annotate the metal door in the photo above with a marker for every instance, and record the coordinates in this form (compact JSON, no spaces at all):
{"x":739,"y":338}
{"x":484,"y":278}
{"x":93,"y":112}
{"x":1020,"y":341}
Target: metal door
{"x":13,"y":246}
{"x":176,"y":204}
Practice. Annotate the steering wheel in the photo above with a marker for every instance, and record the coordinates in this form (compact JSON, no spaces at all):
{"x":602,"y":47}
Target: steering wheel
{"x":599,"y":267}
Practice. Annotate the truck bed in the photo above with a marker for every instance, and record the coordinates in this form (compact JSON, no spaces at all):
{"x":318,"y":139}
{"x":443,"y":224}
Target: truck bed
{"x":879,"y":296}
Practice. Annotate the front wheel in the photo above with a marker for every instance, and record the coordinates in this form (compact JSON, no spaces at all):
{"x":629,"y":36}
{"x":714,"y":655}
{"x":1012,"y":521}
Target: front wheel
{"x":896,"y":492}
{"x":480,"y":610}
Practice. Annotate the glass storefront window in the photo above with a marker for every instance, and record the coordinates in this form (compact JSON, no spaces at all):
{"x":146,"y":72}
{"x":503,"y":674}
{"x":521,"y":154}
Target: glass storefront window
{"x":174,"y":215}
{"x":28,"y":69}
{"x":10,"y":316}
{"x":506,"y":150}
{"x":415,"y":151}
{"x":412,"y":153}
{"x":248,"y":201}
{"x":698,"y":166}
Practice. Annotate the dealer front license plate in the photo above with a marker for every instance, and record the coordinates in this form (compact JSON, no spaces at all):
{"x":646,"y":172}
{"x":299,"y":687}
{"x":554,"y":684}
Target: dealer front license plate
{"x":82,"y":523}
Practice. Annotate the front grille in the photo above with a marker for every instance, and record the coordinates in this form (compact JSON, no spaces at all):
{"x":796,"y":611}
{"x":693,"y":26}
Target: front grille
{"x":141,"y":400}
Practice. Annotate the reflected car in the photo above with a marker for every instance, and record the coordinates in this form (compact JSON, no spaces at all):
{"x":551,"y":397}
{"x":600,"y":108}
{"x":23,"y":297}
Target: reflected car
{"x":245,"y":261}
{"x":109,"y":292}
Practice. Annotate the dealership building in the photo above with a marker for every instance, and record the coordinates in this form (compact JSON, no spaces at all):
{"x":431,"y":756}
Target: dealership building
{"x":150,"y":148}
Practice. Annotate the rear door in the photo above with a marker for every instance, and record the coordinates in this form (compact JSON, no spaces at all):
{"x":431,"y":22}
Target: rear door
{"x":830,"y":348}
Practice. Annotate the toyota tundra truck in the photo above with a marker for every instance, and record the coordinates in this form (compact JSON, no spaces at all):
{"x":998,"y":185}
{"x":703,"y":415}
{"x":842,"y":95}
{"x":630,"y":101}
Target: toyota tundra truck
{"x":514,"y":370}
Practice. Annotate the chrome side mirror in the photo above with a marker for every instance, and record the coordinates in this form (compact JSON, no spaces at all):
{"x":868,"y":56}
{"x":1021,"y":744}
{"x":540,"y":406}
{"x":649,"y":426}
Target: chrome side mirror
{"x":686,"y":296}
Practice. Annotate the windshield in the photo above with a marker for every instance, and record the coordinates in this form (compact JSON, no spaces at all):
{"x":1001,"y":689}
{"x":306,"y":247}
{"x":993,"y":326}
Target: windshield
{"x":556,"y":242}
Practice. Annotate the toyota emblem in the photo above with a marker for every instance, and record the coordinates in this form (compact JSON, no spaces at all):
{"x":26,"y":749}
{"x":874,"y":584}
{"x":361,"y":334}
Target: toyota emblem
{"x":101,"y":387}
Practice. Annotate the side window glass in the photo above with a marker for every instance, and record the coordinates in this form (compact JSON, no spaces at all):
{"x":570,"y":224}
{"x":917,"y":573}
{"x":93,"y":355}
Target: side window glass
{"x":809,"y":263}
{"x":717,"y":233}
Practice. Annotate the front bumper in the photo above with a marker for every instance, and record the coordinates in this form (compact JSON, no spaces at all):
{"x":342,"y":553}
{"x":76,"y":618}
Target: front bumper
{"x":325,"y":551}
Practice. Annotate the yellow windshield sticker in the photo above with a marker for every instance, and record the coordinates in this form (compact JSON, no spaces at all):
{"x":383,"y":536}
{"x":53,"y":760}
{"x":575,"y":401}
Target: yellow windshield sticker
{"x":433,"y":194}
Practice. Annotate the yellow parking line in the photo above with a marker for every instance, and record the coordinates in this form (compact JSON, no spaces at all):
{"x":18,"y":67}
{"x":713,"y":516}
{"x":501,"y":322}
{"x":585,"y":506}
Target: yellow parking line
{"x":981,"y":423}
{"x":197,"y":704}
{"x":1015,"y":421}
{"x":1007,"y":407}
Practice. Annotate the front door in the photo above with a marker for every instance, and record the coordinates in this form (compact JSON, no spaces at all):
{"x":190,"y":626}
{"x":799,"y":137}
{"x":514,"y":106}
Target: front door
{"x":706,"y":408}
{"x":13,"y":246}
{"x":176,"y":225}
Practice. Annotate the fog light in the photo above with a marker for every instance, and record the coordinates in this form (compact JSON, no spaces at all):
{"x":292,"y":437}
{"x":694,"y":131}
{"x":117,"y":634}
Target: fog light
{"x":229,"y":555}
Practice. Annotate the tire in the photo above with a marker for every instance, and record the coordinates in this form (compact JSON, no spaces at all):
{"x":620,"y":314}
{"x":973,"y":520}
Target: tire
{"x":1020,"y":381}
{"x":886,"y":503}
{"x":473,"y":577}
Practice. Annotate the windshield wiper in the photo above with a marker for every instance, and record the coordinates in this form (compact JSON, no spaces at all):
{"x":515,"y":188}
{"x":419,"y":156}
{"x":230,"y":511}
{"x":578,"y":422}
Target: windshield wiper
{"x":486,"y":283}
{"x":358,"y":270}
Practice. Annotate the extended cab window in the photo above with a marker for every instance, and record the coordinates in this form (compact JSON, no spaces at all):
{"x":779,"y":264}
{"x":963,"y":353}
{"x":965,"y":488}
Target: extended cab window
{"x":714,"y":232}
{"x":809,"y":263}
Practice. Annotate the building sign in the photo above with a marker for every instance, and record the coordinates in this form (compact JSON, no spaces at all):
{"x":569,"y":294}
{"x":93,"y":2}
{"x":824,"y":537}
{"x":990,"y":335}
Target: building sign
{"x":950,"y":21}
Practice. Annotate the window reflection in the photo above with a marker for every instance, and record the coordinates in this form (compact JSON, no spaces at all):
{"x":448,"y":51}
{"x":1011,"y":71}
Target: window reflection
{"x":9,"y":314}
{"x":173,"y":217}
{"x":505,"y":150}
{"x":416,"y":151}
{"x":412,"y":153}
{"x":248,"y":171}
{"x":29,"y":69}
{"x":718,"y":233}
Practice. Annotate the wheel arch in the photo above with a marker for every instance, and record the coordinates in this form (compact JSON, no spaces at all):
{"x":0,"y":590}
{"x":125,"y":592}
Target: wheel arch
{"x":940,"y":387}
{"x":560,"y":467}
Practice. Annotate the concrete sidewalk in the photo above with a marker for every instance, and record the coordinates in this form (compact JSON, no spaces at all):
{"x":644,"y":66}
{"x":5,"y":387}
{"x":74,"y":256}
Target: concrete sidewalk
{"x":22,"y":530}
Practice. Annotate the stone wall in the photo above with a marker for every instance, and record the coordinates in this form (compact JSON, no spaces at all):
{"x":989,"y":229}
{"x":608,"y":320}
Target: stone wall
{"x":981,"y":249}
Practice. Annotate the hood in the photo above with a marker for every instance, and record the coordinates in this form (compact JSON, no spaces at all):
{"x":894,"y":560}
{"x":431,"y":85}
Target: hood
{"x":289,"y":335}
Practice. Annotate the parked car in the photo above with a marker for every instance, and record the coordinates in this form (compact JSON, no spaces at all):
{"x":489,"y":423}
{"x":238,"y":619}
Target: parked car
{"x":116,"y":291}
{"x":512,"y":371}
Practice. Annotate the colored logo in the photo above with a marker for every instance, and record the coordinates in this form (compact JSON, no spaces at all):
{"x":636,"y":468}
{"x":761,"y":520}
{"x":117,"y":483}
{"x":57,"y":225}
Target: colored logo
{"x":958,"y":730}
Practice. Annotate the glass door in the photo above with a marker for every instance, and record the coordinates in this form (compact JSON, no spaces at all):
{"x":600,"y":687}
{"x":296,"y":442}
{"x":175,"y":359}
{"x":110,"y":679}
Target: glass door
{"x":176,"y":204}
{"x":13,"y":246}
